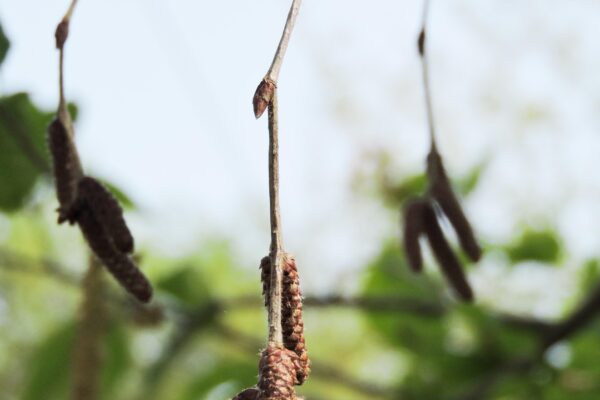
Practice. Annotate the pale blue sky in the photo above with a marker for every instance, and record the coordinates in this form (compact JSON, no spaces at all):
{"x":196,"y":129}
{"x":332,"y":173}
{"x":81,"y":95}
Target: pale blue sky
{"x":165,"y":94}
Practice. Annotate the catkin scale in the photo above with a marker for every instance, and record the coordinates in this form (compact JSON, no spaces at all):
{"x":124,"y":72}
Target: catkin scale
{"x":442,"y":192}
{"x":120,"y":265}
{"x":413,"y":228}
{"x":248,"y":394}
{"x":65,"y":164}
{"x":107,"y":211}
{"x":442,"y":252}
{"x":277,"y":374}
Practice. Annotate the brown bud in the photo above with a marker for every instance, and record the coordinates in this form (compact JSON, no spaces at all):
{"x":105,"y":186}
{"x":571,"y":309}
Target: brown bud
{"x":248,"y":394}
{"x":66,"y":167}
{"x":61,"y":33}
{"x":413,"y":228}
{"x":120,"y":265}
{"x":421,"y":42}
{"x":442,"y":252}
{"x":441,"y":190}
{"x":277,"y":374}
{"x":291,"y":314}
{"x":107,"y":211}
{"x":262,"y":97}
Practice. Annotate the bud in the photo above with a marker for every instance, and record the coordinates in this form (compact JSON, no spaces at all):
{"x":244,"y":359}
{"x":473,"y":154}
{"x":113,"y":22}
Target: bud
{"x":421,"y":42}
{"x":61,"y":33}
{"x":263,"y":96}
{"x":442,"y":192}
{"x":442,"y":252}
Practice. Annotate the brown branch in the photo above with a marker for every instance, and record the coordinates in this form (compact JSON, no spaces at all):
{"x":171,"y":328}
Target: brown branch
{"x":275,"y":68}
{"x":87,"y":362}
{"x":422,"y":47}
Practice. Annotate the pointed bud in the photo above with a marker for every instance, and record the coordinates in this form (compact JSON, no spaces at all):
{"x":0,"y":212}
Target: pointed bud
{"x":421,"y":43}
{"x":262,"y":96}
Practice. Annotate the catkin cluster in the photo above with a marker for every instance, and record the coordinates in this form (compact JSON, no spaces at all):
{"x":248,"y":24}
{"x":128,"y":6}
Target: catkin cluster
{"x":282,"y":368}
{"x":420,"y":220}
{"x":85,"y":201}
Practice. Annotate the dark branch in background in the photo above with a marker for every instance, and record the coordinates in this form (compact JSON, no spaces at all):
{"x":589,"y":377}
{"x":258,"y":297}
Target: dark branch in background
{"x":420,"y":218}
{"x":87,"y":352}
{"x":85,"y":201}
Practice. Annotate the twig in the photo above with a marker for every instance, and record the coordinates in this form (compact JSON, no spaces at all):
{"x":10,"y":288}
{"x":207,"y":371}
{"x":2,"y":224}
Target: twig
{"x":275,"y":329}
{"x":275,"y":68}
{"x":422,"y":46}
{"x":62,"y":32}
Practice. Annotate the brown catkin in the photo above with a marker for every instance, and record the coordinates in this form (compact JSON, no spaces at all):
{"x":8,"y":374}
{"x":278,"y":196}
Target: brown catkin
{"x":61,"y":34}
{"x":120,"y":265}
{"x":248,"y":394}
{"x":265,"y":277}
{"x":277,"y":374}
{"x":291,"y":314}
{"x":441,"y":190}
{"x":413,"y":229}
{"x":66,"y":166}
{"x":107,"y":211}
{"x":447,"y":260}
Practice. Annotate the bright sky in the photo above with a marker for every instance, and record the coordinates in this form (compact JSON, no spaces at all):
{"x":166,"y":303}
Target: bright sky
{"x":165,"y":90}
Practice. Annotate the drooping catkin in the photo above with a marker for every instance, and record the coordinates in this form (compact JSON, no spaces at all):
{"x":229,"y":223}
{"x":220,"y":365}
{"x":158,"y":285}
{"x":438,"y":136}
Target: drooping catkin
{"x":413,"y":229}
{"x":442,"y":252}
{"x":120,"y":265}
{"x":277,"y":374}
{"x":265,"y":277}
{"x":291,"y":313}
{"x":441,"y":190}
{"x":107,"y":211}
{"x":66,"y":166}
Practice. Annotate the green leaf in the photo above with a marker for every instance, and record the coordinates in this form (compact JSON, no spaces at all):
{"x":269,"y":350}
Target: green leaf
{"x":466,"y":184}
{"x":49,"y":366}
{"x":23,"y":154}
{"x":543,"y":246}
{"x":4,"y":45}
{"x":240,"y":374}
{"x":117,"y":361}
{"x":185,"y":284}
{"x":396,"y":194}
{"x":123,"y":198}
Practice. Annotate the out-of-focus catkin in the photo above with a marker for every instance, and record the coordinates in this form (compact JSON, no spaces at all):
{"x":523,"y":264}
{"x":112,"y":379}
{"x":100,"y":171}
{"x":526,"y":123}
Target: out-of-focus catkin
{"x":442,"y":252}
{"x":413,"y":228}
{"x":441,"y":190}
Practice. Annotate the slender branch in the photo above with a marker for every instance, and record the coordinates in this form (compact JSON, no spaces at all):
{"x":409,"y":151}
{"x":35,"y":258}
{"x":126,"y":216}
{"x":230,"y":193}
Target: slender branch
{"x":422,"y":46}
{"x":87,"y":362}
{"x":275,"y":68}
{"x":62,"y":33}
{"x":275,"y":328}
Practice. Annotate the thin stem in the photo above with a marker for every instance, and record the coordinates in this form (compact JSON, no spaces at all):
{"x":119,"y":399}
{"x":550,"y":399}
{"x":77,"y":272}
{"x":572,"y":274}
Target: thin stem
{"x":425,"y":68}
{"x":275,"y":329}
{"x":62,"y":34}
{"x":275,"y":68}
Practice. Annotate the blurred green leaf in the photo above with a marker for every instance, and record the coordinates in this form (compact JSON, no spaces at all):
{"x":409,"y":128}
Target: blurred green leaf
{"x":186,"y":284}
{"x":117,"y":360}
{"x":123,"y":198}
{"x":466,"y":184}
{"x":396,"y":194}
{"x":4,"y":45}
{"x":542,"y":246}
{"x":49,"y":366}
{"x":589,"y":275}
{"x":23,"y":154}
{"x":240,"y":374}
